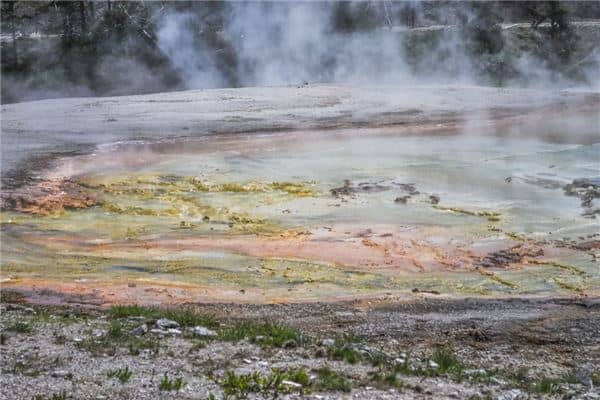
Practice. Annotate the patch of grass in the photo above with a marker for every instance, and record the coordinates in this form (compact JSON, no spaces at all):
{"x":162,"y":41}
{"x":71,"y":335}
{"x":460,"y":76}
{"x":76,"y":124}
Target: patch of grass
{"x":385,"y":379}
{"x":171,"y":384}
{"x":545,"y":385}
{"x":27,"y":368}
{"x":570,"y":377}
{"x":378,"y":358}
{"x":241,"y":385}
{"x":403,"y":368}
{"x":185,"y":316}
{"x":344,"y":349}
{"x":136,"y":345}
{"x":331,"y":380}
{"x":265,"y":334}
{"x":343,"y":353}
{"x":98,"y":347}
{"x":115,"y":331}
{"x":122,"y":374}
{"x":257,"y":382}
{"x":447,"y":361}
{"x":55,"y":396}
{"x":519,"y":376}
{"x":117,"y":338}
{"x":487,"y":396}
{"x":126,"y":311}
{"x":20,"y":327}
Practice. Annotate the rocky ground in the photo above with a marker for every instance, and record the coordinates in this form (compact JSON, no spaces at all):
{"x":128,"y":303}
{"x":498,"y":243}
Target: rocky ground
{"x":429,"y":348}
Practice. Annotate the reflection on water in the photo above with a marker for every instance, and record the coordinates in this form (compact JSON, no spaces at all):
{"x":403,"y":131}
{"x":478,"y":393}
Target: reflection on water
{"x":321,"y":214}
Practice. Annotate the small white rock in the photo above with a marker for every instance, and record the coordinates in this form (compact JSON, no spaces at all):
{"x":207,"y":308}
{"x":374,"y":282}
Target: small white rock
{"x":433,"y":364}
{"x":497,"y":381}
{"x":327,"y":342}
{"x":61,"y":373}
{"x":474,"y":372}
{"x":164,"y":323}
{"x":291,"y":384}
{"x":202,"y":331}
{"x":98,"y":333}
{"x":512,"y":394}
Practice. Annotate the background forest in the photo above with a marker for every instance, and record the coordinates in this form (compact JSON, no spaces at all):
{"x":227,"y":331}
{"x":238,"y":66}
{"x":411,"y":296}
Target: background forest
{"x":86,"y":48}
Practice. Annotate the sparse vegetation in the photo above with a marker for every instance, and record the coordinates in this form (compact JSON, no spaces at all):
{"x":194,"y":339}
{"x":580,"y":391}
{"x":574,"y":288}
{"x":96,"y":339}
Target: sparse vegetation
{"x":519,"y":376}
{"x":265,"y":334}
{"x":54,"y":396}
{"x":545,"y":385}
{"x":385,"y":379}
{"x":185,"y":316}
{"x":447,"y":361}
{"x":268,"y":384}
{"x":168,"y":384}
{"x":122,"y":374}
{"x":392,"y":370}
{"x":20,"y":327}
{"x":344,"y":352}
{"x":329,"y":379}
{"x":116,"y":338}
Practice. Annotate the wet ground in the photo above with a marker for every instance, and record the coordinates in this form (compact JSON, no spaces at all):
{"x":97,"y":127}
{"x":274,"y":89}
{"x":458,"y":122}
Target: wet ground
{"x":311,"y":215}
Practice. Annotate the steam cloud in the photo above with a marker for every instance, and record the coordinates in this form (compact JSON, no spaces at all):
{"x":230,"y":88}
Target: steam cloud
{"x":291,"y":43}
{"x":288,"y":43}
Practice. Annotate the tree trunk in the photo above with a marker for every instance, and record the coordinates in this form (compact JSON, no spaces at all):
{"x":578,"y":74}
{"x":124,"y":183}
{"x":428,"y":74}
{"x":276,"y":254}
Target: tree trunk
{"x":83,"y":19}
{"x":13,"y":29}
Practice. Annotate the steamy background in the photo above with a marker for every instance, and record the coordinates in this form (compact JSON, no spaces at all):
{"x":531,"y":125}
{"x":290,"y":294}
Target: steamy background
{"x":83,"y":48}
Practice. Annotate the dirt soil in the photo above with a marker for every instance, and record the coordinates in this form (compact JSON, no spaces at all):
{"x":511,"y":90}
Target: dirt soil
{"x":508,"y":349}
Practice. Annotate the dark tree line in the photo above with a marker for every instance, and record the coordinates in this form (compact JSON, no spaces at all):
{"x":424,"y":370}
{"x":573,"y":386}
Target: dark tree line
{"x":89,"y":45}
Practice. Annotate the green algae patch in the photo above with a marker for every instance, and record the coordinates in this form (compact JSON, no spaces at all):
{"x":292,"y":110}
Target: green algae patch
{"x":567,"y":267}
{"x":134,"y":210}
{"x":298,"y":189}
{"x":193,"y":201}
{"x":492,"y":216}
{"x":498,"y":279}
{"x":515,"y":236}
{"x":292,"y":188}
{"x":151,"y":185}
{"x":568,"y":286}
